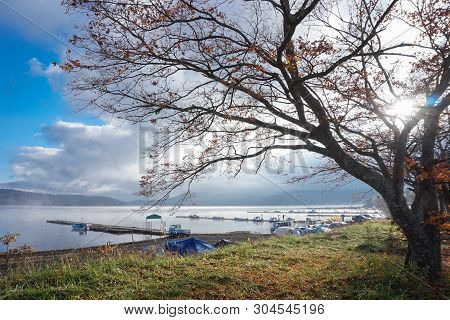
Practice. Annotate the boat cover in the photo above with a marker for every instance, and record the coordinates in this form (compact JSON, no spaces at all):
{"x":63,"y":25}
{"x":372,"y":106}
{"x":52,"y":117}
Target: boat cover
{"x":190,"y":245}
{"x":153,"y":217}
{"x":223,"y":243}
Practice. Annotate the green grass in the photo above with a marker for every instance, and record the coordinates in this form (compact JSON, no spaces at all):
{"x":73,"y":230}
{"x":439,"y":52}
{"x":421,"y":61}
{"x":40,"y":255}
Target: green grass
{"x":357,"y":262}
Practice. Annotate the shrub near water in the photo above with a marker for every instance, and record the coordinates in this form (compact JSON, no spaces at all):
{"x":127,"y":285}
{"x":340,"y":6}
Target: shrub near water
{"x":357,"y":262}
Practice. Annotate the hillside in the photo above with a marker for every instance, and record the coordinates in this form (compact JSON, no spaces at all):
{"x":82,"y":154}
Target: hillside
{"x":363,"y":261}
{"x":25,"y":198}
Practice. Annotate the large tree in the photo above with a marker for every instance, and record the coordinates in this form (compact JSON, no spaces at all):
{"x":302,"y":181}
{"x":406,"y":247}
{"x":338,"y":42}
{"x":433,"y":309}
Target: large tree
{"x":244,"y":79}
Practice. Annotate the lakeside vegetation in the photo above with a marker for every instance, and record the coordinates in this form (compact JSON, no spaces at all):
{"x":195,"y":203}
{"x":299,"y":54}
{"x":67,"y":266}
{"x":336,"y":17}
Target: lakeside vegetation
{"x":363,"y":261}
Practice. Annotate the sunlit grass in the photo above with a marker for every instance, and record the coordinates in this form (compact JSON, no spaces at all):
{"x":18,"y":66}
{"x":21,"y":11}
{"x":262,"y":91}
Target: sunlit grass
{"x":357,"y":262}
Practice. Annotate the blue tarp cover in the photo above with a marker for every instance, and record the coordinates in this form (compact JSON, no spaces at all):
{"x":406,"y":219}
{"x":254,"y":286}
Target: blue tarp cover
{"x":190,"y":245}
{"x":153,"y":217}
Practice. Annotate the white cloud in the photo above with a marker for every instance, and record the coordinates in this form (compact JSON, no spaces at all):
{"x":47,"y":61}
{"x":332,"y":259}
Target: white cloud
{"x":87,"y":160}
{"x":37,"y":68}
{"x":52,"y":71}
{"x":103,"y":160}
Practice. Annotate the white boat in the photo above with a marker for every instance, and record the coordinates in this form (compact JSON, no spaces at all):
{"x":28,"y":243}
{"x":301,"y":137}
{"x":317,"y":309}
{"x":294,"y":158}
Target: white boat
{"x":277,"y":225}
{"x":301,"y":231}
{"x":281,"y":231}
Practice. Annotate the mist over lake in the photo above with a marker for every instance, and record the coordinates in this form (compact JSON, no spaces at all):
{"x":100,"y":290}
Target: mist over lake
{"x":31,"y":222}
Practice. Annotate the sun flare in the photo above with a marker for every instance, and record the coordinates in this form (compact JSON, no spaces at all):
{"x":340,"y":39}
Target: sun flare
{"x":403,"y":108}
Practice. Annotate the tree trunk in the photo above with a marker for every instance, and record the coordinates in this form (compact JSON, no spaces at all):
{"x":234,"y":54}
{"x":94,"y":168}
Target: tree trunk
{"x":424,"y":246}
{"x":424,"y":243}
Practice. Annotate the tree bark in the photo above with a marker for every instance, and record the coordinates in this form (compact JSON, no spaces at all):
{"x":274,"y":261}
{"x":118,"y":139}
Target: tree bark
{"x":425,"y":249}
{"x":424,"y":242}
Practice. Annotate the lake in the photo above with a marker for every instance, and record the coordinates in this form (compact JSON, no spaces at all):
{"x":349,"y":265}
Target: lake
{"x":31,"y":223}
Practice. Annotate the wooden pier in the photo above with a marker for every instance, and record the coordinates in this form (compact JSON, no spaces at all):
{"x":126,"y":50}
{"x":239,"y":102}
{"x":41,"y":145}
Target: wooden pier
{"x":113,"y":229}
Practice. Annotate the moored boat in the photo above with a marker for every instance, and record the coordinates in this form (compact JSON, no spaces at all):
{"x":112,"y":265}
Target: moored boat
{"x":277,"y":225}
{"x":81,"y":226}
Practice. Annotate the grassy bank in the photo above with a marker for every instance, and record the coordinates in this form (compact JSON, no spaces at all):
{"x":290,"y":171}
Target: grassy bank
{"x":356,"y":262}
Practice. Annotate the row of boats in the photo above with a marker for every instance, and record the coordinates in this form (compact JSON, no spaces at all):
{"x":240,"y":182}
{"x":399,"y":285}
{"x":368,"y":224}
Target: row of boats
{"x":278,"y":226}
{"x":290,"y":211}
{"x":255,"y":219}
{"x":359,"y":217}
{"x":285,"y":227}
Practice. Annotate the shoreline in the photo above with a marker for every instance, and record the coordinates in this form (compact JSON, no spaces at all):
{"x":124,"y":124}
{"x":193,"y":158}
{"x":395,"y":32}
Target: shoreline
{"x":46,"y":256}
{"x":360,"y":261}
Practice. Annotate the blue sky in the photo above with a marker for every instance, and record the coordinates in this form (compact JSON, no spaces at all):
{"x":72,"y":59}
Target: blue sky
{"x":28,"y":101}
{"x":46,"y":145}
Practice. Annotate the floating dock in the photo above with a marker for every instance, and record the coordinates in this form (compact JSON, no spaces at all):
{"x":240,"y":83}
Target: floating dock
{"x":113,"y":229}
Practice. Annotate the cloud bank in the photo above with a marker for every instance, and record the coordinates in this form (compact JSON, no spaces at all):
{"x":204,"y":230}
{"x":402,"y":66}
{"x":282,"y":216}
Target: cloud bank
{"x":85,"y":160}
{"x":104,"y":160}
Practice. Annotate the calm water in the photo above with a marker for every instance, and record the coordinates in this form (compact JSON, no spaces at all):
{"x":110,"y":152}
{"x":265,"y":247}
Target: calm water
{"x":31,"y":223}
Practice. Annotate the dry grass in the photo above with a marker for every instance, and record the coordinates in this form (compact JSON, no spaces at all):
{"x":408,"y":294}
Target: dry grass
{"x":357,"y":262}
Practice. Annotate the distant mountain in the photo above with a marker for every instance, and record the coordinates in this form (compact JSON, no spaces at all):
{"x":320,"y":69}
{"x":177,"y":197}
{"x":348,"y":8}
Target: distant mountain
{"x":249,"y":198}
{"x":286,"y":198}
{"x":25,"y":198}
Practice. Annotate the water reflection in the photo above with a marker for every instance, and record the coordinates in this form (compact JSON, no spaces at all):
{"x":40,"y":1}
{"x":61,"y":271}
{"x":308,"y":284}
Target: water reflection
{"x":81,"y":232}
